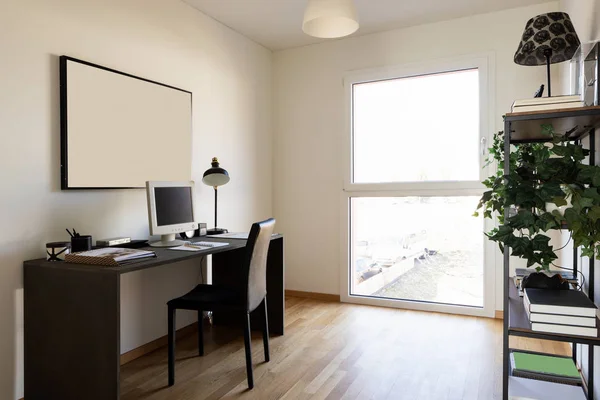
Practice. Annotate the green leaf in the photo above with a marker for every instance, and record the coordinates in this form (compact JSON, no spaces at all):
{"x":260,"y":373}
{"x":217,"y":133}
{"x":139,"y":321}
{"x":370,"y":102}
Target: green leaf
{"x":594,"y":213}
{"x":523,"y":219}
{"x":587,"y":252}
{"x":580,"y":203}
{"x":562,"y":151}
{"x":559,"y":201}
{"x":586,"y":173}
{"x":570,"y":215}
{"x":596,"y":177}
{"x":592,"y":193}
{"x":550,"y":190}
{"x":501,"y":233}
{"x":547,"y":130}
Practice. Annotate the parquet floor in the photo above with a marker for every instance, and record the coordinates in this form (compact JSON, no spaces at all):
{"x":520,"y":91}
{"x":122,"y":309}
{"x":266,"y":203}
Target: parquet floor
{"x":338,"y":351}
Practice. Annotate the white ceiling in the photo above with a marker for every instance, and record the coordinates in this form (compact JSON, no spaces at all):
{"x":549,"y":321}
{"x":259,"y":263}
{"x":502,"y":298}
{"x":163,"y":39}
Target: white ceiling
{"x":277,"y":24}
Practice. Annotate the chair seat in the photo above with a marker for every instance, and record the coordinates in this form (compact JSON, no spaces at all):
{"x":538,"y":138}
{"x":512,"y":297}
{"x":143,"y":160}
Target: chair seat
{"x":208,"y":298}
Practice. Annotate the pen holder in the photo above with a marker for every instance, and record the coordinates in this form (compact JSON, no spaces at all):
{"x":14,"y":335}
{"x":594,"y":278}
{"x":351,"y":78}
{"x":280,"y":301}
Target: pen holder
{"x":81,"y":243}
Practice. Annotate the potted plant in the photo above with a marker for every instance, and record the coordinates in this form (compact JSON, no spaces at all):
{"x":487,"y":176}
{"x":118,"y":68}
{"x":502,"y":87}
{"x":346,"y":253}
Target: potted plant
{"x":549,"y":187}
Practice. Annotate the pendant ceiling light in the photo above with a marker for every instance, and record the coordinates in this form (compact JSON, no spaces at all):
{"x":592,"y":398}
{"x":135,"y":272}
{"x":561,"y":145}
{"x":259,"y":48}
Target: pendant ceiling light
{"x":330,"y":18}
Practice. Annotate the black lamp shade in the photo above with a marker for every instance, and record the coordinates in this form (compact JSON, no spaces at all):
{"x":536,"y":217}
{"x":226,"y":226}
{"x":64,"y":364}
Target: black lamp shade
{"x":551,"y":31}
{"x":215,"y":176}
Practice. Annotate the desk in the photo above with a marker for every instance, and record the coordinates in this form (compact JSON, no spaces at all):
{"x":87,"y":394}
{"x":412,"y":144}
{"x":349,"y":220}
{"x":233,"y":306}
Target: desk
{"x":72,"y":318}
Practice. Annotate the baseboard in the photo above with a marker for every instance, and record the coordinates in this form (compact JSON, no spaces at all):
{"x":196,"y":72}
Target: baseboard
{"x":156,"y":344}
{"x":313,"y":295}
{"x":499,"y":314}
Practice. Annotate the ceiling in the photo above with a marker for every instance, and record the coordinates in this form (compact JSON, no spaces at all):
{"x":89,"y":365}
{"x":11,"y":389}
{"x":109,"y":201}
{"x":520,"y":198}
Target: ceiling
{"x":277,"y":24}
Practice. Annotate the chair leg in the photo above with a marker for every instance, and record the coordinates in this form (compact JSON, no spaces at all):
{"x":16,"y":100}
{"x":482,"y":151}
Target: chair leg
{"x":248,"y":351}
{"x":266,"y":331}
{"x":171,"y":318}
{"x":200,"y":333}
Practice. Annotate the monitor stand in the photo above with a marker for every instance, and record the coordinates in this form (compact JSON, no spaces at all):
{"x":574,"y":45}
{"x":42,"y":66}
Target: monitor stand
{"x":167,"y":241}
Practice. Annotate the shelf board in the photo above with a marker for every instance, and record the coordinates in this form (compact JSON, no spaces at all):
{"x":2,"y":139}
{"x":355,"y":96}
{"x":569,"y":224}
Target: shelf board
{"x":574,"y":123}
{"x":519,"y":325}
{"x":534,"y":389}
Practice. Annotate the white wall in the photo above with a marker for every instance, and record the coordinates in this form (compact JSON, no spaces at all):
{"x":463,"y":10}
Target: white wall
{"x":310,"y":124}
{"x":585,"y":15}
{"x":163,"y":40}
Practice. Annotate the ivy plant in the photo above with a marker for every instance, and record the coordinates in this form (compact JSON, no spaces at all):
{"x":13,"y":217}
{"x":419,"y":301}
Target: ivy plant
{"x":541,"y":173}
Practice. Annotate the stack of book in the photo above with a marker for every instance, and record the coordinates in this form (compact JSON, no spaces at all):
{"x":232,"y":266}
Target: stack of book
{"x":568,"y":312}
{"x":109,"y":256}
{"x":521,"y":273}
{"x":547,"y":103}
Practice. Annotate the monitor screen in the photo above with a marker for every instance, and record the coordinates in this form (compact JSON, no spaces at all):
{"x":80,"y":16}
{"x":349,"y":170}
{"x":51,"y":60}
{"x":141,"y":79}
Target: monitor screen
{"x":173,"y":205}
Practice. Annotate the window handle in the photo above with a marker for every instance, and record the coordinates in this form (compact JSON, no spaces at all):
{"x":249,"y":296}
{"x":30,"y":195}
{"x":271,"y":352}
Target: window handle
{"x":483,"y":146}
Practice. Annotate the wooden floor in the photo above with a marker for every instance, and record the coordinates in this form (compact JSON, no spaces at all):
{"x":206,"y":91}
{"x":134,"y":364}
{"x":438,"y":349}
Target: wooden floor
{"x":338,"y":351}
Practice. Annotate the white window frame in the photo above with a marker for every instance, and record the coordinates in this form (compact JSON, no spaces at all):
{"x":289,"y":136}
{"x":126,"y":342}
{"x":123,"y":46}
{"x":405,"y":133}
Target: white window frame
{"x":485,"y":63}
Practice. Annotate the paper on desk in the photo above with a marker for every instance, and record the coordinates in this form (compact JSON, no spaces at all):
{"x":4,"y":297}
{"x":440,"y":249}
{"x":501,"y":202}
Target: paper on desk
{"x":234,"y":235}
{"x":187,"y":247}
{"x":231,"y":235}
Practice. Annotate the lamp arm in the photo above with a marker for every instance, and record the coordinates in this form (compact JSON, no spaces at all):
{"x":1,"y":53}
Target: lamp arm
{"x":548,"y":54}
{"x":215,"y":206}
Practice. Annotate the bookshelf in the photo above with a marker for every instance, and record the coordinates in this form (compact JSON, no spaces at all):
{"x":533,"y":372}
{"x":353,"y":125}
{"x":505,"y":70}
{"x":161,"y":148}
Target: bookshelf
{"x":575,"y":124}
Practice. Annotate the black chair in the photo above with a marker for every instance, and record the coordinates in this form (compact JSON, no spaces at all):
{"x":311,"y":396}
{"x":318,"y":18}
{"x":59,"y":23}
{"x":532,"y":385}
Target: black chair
{"x":245,"y":299}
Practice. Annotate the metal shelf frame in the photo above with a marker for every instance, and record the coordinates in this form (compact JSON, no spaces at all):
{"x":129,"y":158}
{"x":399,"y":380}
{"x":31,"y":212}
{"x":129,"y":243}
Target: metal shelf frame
{"x":585,"y":121}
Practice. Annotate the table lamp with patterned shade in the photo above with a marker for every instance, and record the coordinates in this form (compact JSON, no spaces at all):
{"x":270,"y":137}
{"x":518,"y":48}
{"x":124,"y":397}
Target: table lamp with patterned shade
{"x":548,"y":39}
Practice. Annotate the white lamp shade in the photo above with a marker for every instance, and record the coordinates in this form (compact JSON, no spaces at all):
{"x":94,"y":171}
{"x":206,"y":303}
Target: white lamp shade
{"x":215,"y":179}
{"x":330,"y":18}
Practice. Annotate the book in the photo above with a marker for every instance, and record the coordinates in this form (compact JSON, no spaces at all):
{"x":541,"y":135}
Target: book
{"x":564,"y":329}
{"x":522,"y":388}
{"x":545,"y":107}
{"x":113,"y":241}
{"x":108,"y":256}
{"x":550,"y":368}
{"x":561,"y":319}
{"x":546,"y":100}
{"x":562,"y":302}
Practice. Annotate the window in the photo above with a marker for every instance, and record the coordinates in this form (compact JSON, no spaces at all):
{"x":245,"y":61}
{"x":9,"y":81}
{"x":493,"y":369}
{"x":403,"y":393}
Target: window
{"x":413,"y":181}
{"x":419,"y":128}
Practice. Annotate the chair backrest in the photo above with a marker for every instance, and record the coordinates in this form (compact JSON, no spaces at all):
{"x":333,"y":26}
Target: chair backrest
{"x":255,"y":266}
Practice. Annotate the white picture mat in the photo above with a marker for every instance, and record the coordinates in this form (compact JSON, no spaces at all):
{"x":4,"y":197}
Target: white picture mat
{"x":123,"y":131}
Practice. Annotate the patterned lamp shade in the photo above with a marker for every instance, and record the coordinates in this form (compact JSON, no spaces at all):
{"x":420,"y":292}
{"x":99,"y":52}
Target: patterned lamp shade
{"x":550,"y":34}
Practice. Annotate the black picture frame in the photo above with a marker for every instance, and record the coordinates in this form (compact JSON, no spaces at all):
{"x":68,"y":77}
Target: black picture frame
{"x":64,"y":151}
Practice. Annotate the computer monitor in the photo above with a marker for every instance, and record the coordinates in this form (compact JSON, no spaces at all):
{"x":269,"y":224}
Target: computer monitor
{"x":170,"y":210}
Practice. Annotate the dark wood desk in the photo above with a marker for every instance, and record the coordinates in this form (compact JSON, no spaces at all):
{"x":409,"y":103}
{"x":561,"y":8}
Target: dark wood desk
{"x":72,"y":318}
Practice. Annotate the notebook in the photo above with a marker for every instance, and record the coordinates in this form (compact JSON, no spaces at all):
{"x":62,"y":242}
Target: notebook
{"x":544,"y":367}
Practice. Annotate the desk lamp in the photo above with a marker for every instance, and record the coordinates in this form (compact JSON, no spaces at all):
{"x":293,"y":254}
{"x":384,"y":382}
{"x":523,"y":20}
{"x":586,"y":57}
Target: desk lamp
{"x":548,"y":39}
{"x":215,"y":177}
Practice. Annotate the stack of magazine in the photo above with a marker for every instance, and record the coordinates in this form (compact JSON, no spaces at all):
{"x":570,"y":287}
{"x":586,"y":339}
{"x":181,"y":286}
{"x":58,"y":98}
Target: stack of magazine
{"x":567,"y":312}
{"x":109,"y":256}
{"x":547,"y":103}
